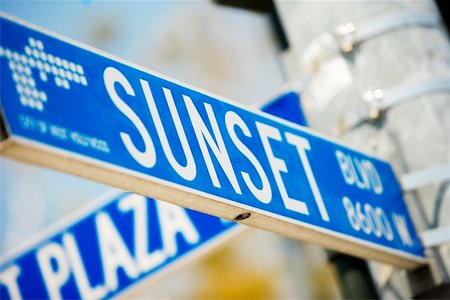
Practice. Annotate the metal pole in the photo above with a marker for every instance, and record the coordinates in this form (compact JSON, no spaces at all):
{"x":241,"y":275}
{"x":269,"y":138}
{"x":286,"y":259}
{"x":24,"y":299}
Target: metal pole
{"x":375,"y":74}
{"x":353,"y":276}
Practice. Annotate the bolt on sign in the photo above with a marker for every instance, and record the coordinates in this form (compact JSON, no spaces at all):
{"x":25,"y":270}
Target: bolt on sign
{"x":78,"y":110}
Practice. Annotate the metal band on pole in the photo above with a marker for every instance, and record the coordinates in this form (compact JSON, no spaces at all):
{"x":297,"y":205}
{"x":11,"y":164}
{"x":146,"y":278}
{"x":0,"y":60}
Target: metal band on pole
{"x":345,"y":37}
{"x":417,"y":179}
{"x":379,"y":100}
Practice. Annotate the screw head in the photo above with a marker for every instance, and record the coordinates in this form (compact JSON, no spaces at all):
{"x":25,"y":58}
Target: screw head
{"x":242,"y":216}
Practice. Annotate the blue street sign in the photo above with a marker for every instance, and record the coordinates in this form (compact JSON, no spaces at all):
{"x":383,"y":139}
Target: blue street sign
{"x":162,"y":236}
{"x":106,"y":249}
{"x":287,"y":106}
{"x":81,"y":111}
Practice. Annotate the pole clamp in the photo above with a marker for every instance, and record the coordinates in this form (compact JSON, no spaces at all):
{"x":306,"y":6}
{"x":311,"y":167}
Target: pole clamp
{"x":417,"y":179}
{"x":377,"y":101}
{"x":345,"y":37}
{"x":436,"y":237}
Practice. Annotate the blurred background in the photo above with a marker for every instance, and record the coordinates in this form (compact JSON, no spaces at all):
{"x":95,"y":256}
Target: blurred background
{"x":250,"y":55}
{"x":226,"y":51}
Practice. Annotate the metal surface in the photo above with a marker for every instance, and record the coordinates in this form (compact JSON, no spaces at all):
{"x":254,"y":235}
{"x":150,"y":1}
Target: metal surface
{"x":414,"y":135}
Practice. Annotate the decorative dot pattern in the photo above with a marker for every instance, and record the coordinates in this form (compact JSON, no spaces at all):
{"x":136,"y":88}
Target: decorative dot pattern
{"x":46,"y":65}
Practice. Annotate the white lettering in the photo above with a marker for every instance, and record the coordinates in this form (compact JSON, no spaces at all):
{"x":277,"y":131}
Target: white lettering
{"x":277,"y":165}
{"x":9,"y":279}
{"x":264,"y":194}
{"x":204,"y":137}
{"x":146,"y":158}
{"x":370,"y":220}
{"x":302,"y":145}
{"x":53,"y":279}
{"x":79,"y":271}
{"x":172,"y":220}
{"x":375,"y":179}
{"x":113,"y":251}
{"x":402,"y":229}
{"x":345,"y":168}
{"x":189,"y":171}
{"x":145,"y":261}
{"x":360,"y":172}
{"x":360,"y":168}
